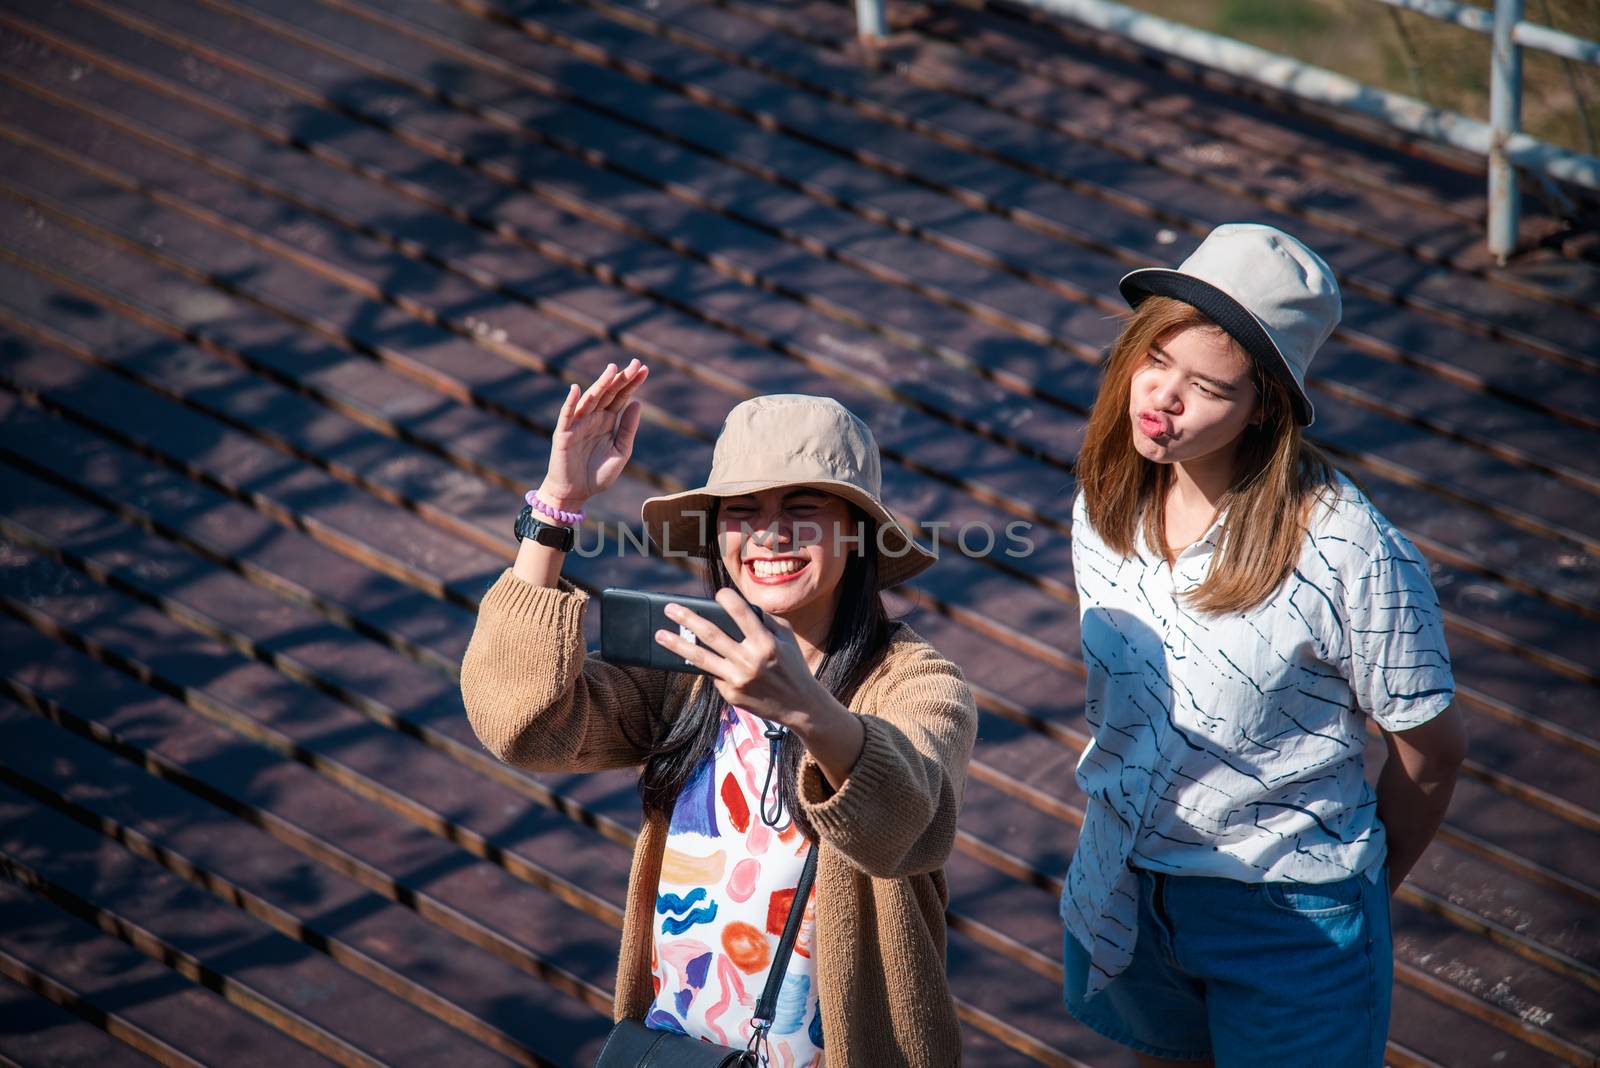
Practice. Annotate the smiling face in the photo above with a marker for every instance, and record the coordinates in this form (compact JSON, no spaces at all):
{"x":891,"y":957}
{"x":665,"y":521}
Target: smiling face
{"x":786,"y":551}
{"x":1191,"y":397}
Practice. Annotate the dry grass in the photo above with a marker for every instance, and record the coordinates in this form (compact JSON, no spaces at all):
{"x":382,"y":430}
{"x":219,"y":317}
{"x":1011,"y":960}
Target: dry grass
{"x":1440,"y":63}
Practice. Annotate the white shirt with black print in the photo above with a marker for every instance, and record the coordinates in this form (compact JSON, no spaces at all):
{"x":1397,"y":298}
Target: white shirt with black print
{"x":1232,"y":745}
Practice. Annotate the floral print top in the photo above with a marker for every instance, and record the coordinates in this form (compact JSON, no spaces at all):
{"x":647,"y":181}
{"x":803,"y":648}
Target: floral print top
{"x":727,"y":883}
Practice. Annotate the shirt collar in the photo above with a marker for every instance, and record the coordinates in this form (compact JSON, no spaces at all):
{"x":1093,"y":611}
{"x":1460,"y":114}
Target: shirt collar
{"x":1208,"y":542}
{"x":1196,"y":552}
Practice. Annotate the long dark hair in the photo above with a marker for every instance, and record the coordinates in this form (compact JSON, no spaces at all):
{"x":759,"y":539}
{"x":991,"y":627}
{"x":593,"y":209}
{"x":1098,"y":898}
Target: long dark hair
{"x":855,"y":644}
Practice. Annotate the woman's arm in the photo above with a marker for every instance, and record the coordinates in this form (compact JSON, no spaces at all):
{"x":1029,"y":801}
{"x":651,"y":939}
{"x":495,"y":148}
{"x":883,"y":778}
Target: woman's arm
{"x":894,"y":814}
{"x":589,"y":449}
{"x":833,"y":738}
{"x":533,"y":694}
{"x":538,"y":700}
{"x":1415,"y":785}
{"x":1400,"y":675}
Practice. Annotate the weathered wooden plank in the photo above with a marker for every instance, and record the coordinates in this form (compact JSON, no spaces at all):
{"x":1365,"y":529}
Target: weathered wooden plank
{"x":366,"y":933}
{"x":35,"y":1032}
{"x":1448,"y":1036}
{"x":278,"y":979}
{"x":148,"y":1005}
{"x":503,"y":950}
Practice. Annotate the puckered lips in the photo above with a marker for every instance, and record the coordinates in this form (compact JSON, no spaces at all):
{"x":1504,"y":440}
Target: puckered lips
{"x":1154,"y":424}
{"x":775,"y":570}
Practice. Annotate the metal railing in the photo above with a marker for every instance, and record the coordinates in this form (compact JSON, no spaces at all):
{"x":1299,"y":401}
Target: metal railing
{"x":1501,"y":140}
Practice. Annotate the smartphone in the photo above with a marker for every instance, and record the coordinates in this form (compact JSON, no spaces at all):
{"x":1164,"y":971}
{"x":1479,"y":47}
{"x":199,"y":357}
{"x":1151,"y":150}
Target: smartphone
{"x":629,"y":620}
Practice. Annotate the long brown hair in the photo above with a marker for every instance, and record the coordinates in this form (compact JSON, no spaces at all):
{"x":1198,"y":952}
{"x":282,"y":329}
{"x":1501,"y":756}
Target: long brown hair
{"x":1278,"y":477}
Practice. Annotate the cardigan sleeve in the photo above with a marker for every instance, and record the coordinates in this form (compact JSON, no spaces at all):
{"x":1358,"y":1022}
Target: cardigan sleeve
{"x":537,"y":699}
{"x":895,"y":814}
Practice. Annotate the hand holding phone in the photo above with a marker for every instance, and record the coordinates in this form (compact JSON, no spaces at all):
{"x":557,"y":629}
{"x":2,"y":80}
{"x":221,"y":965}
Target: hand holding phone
{"x":629,"y":620}
{"x":766,"y":674}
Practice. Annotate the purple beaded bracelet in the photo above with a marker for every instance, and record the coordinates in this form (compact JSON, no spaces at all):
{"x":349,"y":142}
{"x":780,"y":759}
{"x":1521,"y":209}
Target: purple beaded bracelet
{"x":570,"y":519}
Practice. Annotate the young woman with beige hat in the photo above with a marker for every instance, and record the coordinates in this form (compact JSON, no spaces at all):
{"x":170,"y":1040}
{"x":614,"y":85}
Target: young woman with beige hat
{"x":1246,"y":612}
{"x":834,"y":725}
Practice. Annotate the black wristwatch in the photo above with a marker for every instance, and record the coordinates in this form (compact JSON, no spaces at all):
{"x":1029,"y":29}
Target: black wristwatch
{"x":552,"y":534}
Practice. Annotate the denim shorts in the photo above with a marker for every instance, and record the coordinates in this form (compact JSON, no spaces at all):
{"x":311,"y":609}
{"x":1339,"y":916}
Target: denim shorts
{"x":1293,"y":975}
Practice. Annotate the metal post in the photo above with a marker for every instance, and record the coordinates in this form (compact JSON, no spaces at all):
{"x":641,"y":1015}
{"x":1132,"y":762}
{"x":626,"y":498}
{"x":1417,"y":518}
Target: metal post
{"x":870,"y":21}
{"x":1505,"y":120}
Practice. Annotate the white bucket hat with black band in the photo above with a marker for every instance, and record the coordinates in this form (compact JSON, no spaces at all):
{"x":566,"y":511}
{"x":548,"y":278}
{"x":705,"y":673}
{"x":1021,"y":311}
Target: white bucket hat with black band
{"x":1271,"y":293}
{"x":790,"y":440}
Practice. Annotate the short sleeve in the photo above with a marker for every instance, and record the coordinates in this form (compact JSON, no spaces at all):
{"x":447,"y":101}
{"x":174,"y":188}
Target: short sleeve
{"x":1399,"y":663}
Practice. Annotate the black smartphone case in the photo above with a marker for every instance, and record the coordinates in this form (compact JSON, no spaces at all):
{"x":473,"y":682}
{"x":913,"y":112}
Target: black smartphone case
{"x":629,"y":620}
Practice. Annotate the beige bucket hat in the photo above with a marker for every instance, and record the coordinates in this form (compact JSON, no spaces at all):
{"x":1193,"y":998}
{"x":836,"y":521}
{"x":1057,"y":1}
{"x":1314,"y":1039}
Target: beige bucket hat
{"x":787,"y":440}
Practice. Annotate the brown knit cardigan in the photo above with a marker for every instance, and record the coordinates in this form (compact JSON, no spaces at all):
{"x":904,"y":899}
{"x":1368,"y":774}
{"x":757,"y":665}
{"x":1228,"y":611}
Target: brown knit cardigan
{"x":538,"y":700}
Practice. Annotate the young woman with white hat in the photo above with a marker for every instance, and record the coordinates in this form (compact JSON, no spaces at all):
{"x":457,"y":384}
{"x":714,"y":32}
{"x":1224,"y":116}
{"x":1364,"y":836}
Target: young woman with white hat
{"x":1246,"y":613}
{"x":871,"y":728}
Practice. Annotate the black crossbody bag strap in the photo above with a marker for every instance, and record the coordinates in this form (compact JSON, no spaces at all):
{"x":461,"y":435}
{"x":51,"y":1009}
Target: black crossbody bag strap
{"x":767,"y":1004}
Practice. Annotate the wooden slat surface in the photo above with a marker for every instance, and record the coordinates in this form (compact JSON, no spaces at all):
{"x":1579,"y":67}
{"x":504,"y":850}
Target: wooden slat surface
{"x":289,"y":290}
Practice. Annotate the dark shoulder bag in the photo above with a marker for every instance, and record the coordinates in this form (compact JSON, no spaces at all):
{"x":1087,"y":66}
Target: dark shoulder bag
{"x":633,"y":1045}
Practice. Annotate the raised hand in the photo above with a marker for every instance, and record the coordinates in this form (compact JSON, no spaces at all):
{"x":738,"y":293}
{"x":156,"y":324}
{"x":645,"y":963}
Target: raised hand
{"x":593,"y":438}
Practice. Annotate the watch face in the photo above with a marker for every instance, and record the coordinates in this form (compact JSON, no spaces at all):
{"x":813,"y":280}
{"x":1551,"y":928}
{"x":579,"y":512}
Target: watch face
{"x":556,"y":537}
{"x":550,"y":534}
